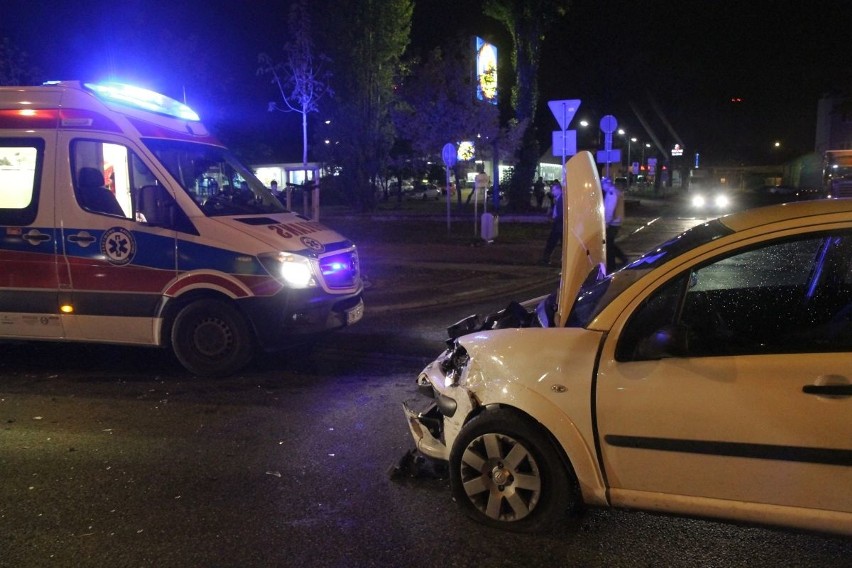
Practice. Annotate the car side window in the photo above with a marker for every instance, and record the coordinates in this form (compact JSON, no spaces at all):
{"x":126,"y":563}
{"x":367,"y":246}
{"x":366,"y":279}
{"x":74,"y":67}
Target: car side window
{"x":20,"y":177}
{"x":101,"y":184}
{"x":789,"y":296}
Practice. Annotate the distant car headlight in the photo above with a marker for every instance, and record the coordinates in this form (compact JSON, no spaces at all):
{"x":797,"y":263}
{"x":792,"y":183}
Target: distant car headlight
{"x":698,"y":201}
{"x":295,"y":270}
{"x":721,"y":201}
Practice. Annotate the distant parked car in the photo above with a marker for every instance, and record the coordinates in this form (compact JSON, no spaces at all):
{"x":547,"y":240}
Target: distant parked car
{"x":768,"y":195}
{"x":424,"y":192}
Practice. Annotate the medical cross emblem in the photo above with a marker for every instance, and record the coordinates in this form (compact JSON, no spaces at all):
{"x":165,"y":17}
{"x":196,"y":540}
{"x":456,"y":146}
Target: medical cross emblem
{"x":118,"y":246}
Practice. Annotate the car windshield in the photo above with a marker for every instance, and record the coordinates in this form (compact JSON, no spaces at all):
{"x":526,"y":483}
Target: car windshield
{"x":215,"y":179}
{"x":596,"y":294}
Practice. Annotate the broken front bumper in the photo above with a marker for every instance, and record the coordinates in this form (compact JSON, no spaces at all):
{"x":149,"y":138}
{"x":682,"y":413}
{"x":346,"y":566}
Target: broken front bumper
{"x":427,"y":430}
{"x":436,"y":417}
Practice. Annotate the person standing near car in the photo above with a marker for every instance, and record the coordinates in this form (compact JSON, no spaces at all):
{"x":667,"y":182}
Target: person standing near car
{"x":480,"y":183}
{"x":613,"y":216}
{"x":538,"y":192}
{"x":555,"y":236}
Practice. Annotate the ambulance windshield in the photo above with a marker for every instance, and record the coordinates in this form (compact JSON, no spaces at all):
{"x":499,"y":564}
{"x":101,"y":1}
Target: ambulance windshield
{"x":215,"y":179}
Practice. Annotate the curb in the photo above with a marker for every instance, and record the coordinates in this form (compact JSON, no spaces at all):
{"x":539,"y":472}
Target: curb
{"x":464,"y":290}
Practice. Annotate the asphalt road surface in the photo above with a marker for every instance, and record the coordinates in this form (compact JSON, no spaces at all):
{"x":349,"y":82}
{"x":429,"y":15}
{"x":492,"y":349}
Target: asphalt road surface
{"x":113,"y":456}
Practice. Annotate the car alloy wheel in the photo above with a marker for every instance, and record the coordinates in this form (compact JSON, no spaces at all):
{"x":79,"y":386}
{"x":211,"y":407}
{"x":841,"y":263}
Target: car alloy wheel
{"x":505,"y":472}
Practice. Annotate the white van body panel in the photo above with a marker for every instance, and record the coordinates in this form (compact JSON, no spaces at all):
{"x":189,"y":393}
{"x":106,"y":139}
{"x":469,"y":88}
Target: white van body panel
{"x":115,"y":218}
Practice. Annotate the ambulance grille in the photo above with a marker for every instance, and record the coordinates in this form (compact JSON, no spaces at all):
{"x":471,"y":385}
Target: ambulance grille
{"x":340,"y":270}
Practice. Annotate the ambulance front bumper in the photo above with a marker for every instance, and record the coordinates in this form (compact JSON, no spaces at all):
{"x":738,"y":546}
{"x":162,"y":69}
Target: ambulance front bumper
{"x":300,"y":313}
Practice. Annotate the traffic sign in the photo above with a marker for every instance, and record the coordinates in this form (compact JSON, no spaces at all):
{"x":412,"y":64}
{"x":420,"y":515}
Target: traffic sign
{"x":564,"y":111}
{"x":609,"y":156}
{"x":609,"y":124}
{"x":449,"y":155}
{"x":564,"y":142}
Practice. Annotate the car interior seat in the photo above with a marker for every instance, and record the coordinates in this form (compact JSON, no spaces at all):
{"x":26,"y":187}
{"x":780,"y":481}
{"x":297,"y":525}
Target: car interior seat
{"x":93,"y":195}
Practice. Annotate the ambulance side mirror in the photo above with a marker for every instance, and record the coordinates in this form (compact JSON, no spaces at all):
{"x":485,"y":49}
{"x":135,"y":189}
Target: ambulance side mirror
{"x":154,"y":206}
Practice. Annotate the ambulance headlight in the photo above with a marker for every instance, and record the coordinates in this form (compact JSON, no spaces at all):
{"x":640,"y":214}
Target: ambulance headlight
{"x":293,"y":269}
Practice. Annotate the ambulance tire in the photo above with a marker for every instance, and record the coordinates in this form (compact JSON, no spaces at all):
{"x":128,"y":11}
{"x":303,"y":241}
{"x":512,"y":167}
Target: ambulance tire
{"x":211,"y":338}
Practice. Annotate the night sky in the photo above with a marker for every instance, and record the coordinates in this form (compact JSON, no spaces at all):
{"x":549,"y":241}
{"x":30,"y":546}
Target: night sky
{"x":679,"y":63}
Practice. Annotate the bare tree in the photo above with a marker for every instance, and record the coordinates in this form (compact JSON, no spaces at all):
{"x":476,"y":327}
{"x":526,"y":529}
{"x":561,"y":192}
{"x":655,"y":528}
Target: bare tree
{"x":301,"y":78}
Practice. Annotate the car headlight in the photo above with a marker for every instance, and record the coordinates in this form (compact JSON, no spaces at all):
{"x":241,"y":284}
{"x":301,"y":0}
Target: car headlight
{"x":698,"y":201}
{"x":295,"y":270}
{"x":721,"y":201}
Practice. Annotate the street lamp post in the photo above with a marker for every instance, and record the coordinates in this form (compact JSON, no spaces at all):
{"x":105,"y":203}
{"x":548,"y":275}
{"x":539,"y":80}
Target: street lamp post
{"x":630,"y":141}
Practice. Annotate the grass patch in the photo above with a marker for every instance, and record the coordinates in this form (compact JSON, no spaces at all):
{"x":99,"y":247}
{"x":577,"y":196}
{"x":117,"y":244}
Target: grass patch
{"x":424,"y":231}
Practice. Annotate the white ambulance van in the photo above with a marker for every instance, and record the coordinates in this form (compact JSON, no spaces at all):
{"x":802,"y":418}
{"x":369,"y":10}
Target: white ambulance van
{"x":123,"y":220}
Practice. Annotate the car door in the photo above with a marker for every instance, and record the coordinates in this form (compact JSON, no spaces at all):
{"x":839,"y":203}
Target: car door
{"x":30,"y":274}
{"x":731,"y":382}
{"x":119,"y":264}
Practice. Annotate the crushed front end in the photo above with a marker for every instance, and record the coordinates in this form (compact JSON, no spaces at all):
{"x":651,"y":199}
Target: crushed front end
{"x":444,"y":405}
{"x":436,"y":417}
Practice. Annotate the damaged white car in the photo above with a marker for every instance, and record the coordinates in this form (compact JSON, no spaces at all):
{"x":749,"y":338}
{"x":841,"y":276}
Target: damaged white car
{"x":711,"y":377}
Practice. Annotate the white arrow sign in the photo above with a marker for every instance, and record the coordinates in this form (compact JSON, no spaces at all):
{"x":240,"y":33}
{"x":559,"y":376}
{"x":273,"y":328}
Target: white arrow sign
{"x":564,"y":111}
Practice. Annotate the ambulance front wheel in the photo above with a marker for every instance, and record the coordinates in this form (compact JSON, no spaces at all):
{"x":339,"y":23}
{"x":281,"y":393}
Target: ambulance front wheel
{"x":211,"y":338}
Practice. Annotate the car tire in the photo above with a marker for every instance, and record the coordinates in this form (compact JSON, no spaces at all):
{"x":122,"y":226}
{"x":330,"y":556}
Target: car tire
{"x":505,"y":472}
{"x":211,"y":338}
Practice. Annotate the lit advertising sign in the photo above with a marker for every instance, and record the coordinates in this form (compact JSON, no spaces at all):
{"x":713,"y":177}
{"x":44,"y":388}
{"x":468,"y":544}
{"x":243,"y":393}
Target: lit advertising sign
{"x":677,"y":150}
{"x":486,"y":71}
{"x":466,"y":151}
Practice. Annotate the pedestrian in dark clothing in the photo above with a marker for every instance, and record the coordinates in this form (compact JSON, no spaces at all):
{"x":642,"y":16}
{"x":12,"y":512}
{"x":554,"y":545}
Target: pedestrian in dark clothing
{"x":555,"y":236}
{"x":538,"y":191}
{"x":613,"y":216}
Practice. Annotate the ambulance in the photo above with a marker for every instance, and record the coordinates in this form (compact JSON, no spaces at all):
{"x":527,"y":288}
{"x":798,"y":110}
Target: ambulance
{"x":123,"y":220}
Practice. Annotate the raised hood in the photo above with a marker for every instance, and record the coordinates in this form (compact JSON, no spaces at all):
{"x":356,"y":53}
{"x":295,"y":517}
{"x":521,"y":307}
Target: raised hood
{"x":583,"y":230}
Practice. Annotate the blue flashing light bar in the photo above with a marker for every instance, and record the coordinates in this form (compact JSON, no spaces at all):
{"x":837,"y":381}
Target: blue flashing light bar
{"x":333,"y":267}
{"x":140,"y":98}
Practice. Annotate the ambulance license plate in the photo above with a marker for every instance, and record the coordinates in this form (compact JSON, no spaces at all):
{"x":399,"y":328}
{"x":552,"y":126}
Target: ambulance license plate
{"x":355,"y":314}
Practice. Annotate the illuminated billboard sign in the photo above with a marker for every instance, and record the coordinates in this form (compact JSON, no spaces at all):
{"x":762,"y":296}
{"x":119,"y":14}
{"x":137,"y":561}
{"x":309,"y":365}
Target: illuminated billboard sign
{"x":486,"y":71}
{"x":466,"y":150}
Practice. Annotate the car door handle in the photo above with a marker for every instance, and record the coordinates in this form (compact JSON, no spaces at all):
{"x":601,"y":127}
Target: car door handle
{"x":35,"y":237}
{"x":83,"y":239}
{"x":828,"y":390}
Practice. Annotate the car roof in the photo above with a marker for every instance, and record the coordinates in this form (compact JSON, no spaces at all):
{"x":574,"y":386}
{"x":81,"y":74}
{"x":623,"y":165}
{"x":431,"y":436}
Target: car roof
{"x":753,"y":218}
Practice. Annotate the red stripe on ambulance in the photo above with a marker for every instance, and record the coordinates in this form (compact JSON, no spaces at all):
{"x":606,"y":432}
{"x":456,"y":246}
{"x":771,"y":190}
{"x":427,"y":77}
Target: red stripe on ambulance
{"x":53,"y":119}
{"x":289,"y":230}
{"x":208,"y":280}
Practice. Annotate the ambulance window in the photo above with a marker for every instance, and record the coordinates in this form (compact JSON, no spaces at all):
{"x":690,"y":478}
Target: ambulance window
{"x":20,"y":176}
{"x":101,"y":177}
{"x":217,"y":182}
